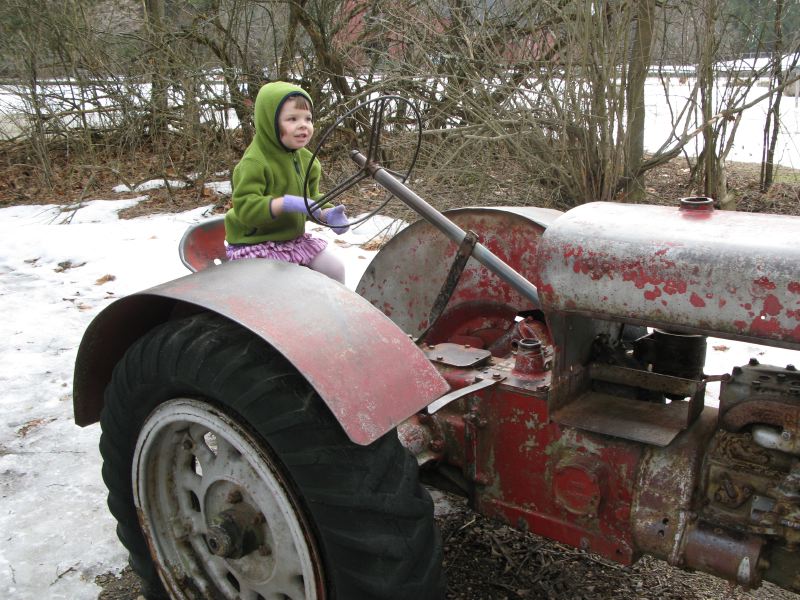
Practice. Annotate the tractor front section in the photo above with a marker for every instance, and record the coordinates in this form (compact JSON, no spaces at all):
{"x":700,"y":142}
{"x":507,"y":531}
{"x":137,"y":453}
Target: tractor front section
{"x":586,"y":419}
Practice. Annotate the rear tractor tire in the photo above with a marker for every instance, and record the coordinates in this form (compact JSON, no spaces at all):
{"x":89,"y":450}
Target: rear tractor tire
{"x":244,"y":484}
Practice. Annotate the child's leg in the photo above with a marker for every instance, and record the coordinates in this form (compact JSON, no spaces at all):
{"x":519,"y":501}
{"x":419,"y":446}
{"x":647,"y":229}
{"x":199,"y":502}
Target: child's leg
{"x":327,"y":263}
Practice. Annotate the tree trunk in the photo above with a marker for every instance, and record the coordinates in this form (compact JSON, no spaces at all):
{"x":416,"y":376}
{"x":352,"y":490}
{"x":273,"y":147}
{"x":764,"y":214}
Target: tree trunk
{"x":287,"y":53}
{"x":154,"y":10}
{"x":773,"y":121}
{"x":714,"y":177}
{"x":637,"y":77}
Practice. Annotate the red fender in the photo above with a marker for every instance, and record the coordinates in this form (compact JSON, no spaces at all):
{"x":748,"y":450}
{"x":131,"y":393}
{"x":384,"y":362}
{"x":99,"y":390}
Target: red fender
{"x":364,"y":367}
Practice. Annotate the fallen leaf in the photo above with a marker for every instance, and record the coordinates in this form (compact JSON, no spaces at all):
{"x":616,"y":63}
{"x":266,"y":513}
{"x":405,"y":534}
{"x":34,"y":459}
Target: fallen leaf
{"x":375,"y":244}
{"x":721,"y":348}
{"x":31,"y":425}
{"x":105,"y":279}
{"x":66,"y":265}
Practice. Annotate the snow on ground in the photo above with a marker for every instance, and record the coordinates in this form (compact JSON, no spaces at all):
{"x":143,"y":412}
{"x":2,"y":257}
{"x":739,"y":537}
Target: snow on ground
{"x":58,"y":269}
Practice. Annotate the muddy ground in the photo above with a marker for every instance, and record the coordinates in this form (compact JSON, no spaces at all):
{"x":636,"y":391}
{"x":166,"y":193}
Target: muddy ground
{"x":483,"y":560}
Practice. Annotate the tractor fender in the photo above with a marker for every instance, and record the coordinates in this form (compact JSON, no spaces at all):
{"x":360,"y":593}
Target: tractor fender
{"x":406,"y":276}
{"x":364,"y":367}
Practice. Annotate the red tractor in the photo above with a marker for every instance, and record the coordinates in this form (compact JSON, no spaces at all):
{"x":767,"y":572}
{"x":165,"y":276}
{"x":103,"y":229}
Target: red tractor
{"x":266,"y":431}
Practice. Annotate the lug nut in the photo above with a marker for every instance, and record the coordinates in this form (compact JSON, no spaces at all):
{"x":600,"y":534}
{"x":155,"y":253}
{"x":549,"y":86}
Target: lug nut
{"x":220,"y":542}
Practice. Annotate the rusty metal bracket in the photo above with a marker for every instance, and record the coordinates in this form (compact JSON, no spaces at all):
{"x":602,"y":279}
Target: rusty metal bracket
{"x":460,"y":393}
{"x":465,"y":250}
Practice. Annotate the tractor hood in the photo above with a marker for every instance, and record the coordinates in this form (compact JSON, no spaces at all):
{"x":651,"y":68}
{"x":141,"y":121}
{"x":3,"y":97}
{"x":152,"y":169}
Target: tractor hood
{"x":689,"y":268}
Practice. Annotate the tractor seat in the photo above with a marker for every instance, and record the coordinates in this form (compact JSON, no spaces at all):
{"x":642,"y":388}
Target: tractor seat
{"x":203,"y":244}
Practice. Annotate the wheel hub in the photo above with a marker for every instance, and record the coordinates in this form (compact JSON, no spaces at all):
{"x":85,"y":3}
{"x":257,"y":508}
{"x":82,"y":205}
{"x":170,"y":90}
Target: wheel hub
{"x":233,"y":532}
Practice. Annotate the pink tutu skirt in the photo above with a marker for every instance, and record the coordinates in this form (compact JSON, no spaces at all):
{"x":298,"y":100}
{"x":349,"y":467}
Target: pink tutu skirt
{"x":300,"y":250}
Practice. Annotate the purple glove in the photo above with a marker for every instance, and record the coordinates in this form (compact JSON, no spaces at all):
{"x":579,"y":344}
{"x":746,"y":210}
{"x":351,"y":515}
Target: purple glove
{"x":337,"y":220}
{"x":297,"y":204}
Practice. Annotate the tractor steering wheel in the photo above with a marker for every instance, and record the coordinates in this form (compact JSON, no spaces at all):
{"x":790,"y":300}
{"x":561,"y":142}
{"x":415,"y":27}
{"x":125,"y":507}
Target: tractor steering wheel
{"x":388,"y":113}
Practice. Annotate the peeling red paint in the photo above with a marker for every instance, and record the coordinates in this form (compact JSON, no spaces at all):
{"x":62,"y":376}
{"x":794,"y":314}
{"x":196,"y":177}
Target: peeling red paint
{"x":640,"y":278}
{"x":652,"y":294}
{"x":722,"y":302}
{"x":697,"y":301}
{"x":569,"y":251}
{"x":772,"y":306}
{"x":768,"y":327}
{"x":546,"y":289}
{"x":794,"y":287}
{"x":765,"y":283}
{"x":675,"y":287}
{"x":740,"y":325}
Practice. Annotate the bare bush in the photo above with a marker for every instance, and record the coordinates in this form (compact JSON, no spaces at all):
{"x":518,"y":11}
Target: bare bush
{"x":553,"y":90}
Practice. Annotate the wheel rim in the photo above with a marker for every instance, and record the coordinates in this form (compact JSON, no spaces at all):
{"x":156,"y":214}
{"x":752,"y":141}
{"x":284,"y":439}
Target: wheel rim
{"x":218,"y":514}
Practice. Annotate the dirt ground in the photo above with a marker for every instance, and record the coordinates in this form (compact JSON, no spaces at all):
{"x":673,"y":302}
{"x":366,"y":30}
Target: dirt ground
{"x":483,"y":560}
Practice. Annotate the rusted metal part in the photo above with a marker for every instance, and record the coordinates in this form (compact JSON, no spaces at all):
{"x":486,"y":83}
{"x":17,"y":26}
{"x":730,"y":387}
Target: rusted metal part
{"x":530,"y":359}
{"x":202,"y":245}
{"x":475,"y":470}
{"x":339,"y":342}
{"x":677,"y":386}
{"x":761,"y":410}
{"x":666,"y":483}
{"x":690,"y":271}
{"x":731,"y":494}
{"x":753,"y":489}
{"x":764,"y":394}
{"x":460,"y":393}
{"x":448,"y":287}
{"x":697,"y":204}
{"x":456,"y":355}
{"x":579,"y":484}
{"x":404,"y":279}
{"x":771,"y":438}
{"x":422,"y":436}
{"x":631,"y":419}
{"x":564,"y":484}
{"x":725,"y":553}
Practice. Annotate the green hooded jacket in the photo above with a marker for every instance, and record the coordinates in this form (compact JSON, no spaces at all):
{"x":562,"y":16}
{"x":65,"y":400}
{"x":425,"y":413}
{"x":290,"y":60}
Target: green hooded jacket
{"x":269,"y":170}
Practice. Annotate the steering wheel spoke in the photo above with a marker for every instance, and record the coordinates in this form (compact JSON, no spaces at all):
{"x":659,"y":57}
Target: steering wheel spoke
{"x":376,"y":116}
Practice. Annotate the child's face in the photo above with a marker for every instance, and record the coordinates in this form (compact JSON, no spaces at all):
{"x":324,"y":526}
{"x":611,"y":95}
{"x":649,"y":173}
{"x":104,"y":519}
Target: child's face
{"x":295,"y":125}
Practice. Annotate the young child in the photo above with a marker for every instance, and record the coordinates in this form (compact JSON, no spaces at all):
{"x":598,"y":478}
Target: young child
{"x":269,"y":214}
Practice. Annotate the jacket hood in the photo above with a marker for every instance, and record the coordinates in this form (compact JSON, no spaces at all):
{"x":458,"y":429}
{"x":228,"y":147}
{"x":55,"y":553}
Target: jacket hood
{"x":269,"y":101}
